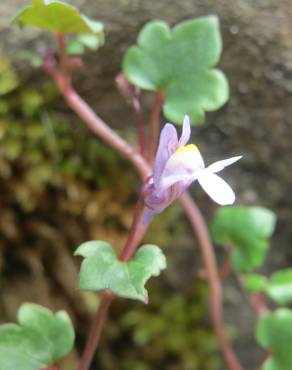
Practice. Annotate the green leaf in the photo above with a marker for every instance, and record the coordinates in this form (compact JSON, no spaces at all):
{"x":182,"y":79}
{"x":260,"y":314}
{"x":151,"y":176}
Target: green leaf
{"x":274,"y":332}
{"x":57,"y":16}
{"x":92,"y":42}
{"x":77,"y":45}
{"x":279,"y":287}
{"x":102,"y":270}
{"x":74,"y":47}
{"x":23,"y":349}
{"x":255,"y":283}
{"x":179,"y":62}
{"x":37,"y":342}
{"x":247,"y":229}
{"x":57,"y":328}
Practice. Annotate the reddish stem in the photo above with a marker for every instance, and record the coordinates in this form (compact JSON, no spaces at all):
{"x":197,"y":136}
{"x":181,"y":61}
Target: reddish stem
{"x":264,"y":359}
{"x":154,"y":124}
{"x":226,"y":267}
{"x":201,"y":230}
{"x":90,"y":118}
{"x":100,"y":128}
{"x":136,"y":234}
{"x":140,"y":124}
{"x":95,"y":331}
{"x":257,"y":300}
{"x":64,"y":58}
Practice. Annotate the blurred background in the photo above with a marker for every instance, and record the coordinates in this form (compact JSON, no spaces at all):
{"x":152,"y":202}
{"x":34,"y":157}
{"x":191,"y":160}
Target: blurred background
{"x":61,"y":186}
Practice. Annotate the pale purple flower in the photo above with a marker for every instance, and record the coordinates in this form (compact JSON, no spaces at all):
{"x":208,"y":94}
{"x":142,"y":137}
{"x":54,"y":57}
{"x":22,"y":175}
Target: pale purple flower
{"x":176,"y":166}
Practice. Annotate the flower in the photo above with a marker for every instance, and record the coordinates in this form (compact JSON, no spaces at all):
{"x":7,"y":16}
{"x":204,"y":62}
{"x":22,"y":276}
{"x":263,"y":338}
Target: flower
{"x":176,"y":166}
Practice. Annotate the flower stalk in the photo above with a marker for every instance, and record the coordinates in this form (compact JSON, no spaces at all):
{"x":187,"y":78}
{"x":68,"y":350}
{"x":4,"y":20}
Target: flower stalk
{"x":135,"y":236}
{"x":138,"y":230}
{"x":200,"y":229}
{"x":132,"y":93}
{"x":95,"y":332}
{"x":140,"y":124}
{"x":154,"y":125}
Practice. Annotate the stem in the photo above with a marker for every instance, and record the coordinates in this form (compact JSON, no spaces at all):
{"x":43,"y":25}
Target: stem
{"x":135,"y":235}
{"x":201,"y":230}
{"x":140,"y":124}
{"x":264,"y":359}
{"x":226,"y":267}
{"x":257,"y":300}
{"x":95,"y":331}
{"x":154,"y":125}
{"x":64,"y":58}
{"x":100,"y":128}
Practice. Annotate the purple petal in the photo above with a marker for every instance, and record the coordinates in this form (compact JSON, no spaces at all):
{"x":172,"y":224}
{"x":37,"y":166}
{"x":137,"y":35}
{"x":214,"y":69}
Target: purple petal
{"x":148,"y":215}
{"x":186,"y":131}
{"x":168,"y":143}
{"x":155,"y":203}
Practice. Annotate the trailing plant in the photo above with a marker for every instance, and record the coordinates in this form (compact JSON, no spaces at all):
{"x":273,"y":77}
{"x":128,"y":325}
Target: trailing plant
{"x":178,"y":66}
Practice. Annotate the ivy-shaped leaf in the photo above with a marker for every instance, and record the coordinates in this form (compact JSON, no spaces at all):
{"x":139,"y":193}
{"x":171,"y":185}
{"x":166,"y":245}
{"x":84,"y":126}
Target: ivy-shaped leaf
{"x":179,"y":62}
{"x":247,"y":229}
{"x":278,"y":287}
{"x":23,"y":349}
{"x":57,"y":328}
{"x":77,"y":45}
{"x":57,"y":16}
{"x":101,"y":269}
{"x":255,"y":283}
{"x":38,"y":341}
{"x":274,"y":332}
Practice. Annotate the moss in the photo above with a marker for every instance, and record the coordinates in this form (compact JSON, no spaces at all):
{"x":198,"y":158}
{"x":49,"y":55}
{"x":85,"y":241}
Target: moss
{"x":171,"y":332}
{"x":59,"y":187}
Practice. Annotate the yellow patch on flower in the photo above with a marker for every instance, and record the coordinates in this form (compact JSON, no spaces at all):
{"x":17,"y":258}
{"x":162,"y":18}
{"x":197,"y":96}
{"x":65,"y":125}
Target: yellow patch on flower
{"x":188,"y":148}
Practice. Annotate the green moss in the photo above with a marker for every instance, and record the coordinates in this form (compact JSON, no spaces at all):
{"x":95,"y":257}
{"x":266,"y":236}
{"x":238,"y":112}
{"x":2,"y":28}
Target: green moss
{"x":46,"y":148}
{"x":8,"y":78}
{"x":171,"y":332}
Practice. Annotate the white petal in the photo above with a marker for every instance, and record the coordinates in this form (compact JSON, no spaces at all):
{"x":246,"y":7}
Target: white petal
{"x":216,"y":188}
{"x":168,"y":181}
{"x":185,"y":160}
{"x":218,"y":166}
{"x":186,"y":131}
